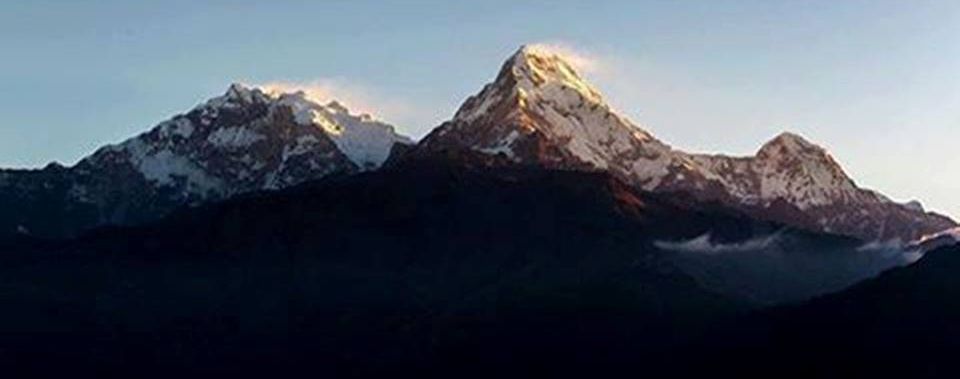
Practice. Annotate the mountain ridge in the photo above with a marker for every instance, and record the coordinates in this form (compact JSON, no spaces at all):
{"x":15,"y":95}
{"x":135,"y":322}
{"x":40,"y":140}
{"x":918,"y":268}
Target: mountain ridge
{"x":435,"y":262}
{"x":537,"y":111}
{"x":242,"y":141}
{"x":540,"y":111}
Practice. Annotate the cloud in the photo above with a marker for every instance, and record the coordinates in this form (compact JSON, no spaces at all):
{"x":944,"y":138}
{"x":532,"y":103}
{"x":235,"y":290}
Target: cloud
{"x":357,"y":98}
{"x":704,"y":245}
{"x":583,"y":61}
{"x":892,"y":251}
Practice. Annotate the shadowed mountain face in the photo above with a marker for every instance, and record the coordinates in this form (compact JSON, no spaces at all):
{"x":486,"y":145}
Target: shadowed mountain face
{"x":397,"y":268}
{"x":429,"y":264}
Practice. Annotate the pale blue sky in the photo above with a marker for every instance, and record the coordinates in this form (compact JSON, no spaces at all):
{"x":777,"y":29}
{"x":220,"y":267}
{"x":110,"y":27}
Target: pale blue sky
{"x":874,"y":81}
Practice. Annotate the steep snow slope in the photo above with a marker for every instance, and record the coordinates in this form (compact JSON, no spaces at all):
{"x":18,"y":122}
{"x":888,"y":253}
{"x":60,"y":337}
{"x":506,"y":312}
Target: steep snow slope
{"x":365,"y":140}
{"x":539,"y":110}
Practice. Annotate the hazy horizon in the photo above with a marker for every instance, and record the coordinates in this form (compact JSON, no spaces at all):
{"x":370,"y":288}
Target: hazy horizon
{"x":872,"y":81}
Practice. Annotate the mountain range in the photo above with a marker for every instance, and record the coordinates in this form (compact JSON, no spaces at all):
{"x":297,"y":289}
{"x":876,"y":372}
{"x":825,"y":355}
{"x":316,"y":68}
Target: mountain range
{"x":538,"y":111}
{"x":536,"y":233}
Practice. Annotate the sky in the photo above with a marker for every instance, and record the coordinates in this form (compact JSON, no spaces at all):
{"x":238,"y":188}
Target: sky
{"x":874,"y":81}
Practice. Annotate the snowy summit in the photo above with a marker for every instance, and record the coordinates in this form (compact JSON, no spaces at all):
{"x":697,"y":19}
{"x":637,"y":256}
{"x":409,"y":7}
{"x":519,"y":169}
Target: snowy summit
{"x":243,"y":141}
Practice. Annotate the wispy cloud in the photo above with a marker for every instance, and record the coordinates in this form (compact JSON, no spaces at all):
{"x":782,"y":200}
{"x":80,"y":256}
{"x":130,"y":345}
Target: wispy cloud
{"x":356,"y":97}
{"x":704,"y":244}
{"x":408,"y":115}
{"x":892,"y":251}
{"x":584,"y":61}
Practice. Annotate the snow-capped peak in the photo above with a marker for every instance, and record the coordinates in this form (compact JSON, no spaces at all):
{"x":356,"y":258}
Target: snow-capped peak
{"x":541,"y":66}
{"x":533,"y":75}
{"x":539,"y":109}
{"x":250,"y":139}
{"x":797,"y":169}
{"x":365,"y":140}
{"x":237,"y":95}
{"x":790,"y":144}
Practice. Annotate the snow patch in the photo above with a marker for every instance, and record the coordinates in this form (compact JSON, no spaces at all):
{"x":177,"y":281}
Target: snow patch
{"x":303,"y":145}
{"x":163,"y":167}
{"x":179,"y":126}
{"x":504,"y":146}
{"x":234,"y":137}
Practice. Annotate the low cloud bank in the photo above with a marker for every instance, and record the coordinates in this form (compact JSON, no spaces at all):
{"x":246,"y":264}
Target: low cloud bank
{"x":784,"y":267}
{"x":704,"y":244}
